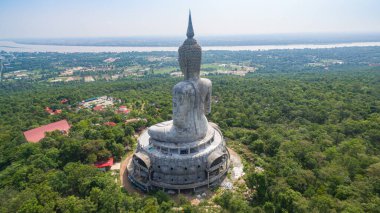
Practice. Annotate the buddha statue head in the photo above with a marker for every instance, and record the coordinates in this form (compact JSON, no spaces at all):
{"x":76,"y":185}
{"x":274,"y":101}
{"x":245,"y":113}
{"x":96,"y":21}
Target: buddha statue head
{"x":190,"y":54}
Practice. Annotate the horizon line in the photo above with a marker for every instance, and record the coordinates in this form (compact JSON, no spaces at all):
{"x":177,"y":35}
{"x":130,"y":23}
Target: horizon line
{"x":199,"y":36}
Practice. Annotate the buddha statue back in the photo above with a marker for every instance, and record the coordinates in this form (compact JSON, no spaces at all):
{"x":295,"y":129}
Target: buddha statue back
{"x":191,"y":98}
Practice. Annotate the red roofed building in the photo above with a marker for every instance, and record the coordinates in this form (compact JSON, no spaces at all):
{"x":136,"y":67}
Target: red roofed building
{"x":110,"y":123}
{"x":63,"y":101}
{"x":35,"y":135}
{"x":105,"y":165}
{"x":98,"y":108}
{"x":53,"y":112}
{"x":123,"y":110}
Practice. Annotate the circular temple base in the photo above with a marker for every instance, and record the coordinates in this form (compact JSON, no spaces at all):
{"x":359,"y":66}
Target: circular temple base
{"x":180,"y":166}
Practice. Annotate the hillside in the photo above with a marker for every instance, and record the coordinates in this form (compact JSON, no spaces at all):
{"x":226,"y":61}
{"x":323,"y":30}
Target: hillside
{"x":314,"y":135}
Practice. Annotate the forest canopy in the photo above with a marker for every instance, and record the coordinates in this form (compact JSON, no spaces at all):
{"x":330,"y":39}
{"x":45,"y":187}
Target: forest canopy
{"x":316,"y":135}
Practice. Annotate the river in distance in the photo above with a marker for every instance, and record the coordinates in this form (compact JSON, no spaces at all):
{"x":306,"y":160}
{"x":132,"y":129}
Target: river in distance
{"x":10,"y":46}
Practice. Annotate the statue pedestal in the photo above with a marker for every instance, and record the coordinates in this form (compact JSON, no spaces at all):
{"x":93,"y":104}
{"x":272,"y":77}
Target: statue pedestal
{"x":180,"y":166}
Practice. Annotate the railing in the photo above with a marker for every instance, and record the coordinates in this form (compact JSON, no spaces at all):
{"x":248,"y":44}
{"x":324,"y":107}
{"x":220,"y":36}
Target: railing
{"x":138,"y":184}
{"x":188,"y":186}
{"x":217,"y":166}
{"x":198,"y":148}
{"x":136,"y":163}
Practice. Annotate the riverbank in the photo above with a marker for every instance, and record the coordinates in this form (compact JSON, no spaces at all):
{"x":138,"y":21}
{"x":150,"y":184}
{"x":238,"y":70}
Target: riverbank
{"x":10,"y":46}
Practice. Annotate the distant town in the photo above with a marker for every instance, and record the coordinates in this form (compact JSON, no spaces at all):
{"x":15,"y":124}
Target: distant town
{"x":53,"y":67}
{"x":90,"y":67}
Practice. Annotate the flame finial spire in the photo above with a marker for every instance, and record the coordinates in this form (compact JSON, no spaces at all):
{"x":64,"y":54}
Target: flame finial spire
{"x":190,"y":30}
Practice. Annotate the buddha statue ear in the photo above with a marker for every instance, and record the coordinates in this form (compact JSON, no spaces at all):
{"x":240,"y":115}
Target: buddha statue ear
{"x":182,"y":63}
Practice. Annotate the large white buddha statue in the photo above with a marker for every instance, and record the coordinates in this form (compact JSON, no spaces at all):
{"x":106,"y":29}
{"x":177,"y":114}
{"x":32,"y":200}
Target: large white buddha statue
{"x":191,"y":98}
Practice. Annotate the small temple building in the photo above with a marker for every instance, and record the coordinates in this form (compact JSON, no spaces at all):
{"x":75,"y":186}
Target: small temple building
{"x":37,"y":134}
{"x":104,"y":165}
{"x":187,"y":153}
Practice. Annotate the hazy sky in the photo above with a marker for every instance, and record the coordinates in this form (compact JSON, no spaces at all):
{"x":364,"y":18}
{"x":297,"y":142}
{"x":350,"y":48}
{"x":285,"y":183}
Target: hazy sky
{"x":119,"y":18}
